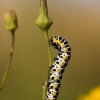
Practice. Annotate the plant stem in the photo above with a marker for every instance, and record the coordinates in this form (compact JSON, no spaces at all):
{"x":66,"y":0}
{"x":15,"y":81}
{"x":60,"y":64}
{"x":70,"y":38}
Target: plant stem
{"x":48,"y":46}
{"x":9,"y":63}
{"x":50,"y":62}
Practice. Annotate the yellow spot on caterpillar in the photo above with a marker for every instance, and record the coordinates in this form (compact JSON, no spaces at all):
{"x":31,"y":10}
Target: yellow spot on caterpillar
{"x":65,"y":50}
{"x":54,"y":39}
{"x":65,"y":57}
{"x":56,"y":77}
{"x":58,"y":41}
{"x":61,"y":63}
{"x":51,"y":98}
{"x":58,"y":70}
{"x":53,"y":93}
{"x":62,"y":45}
{"x":55,"y":85}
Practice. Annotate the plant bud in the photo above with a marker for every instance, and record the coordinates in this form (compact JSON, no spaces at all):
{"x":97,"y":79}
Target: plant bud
{"x":11,"y":20}
{"x":43,"y":21}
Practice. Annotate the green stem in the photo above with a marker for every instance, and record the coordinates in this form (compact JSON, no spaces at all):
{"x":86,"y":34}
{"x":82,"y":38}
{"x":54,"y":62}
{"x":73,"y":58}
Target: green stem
{"x":48,"y":46}
{"x":9,"y":63}
{"x":50,"y":62}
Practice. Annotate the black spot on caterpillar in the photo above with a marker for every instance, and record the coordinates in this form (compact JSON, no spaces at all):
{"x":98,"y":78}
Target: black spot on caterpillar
{"x":58,"y":67}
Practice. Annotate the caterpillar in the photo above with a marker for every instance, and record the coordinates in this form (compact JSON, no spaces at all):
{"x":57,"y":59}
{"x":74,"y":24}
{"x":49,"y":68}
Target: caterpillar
{"x":58,"y":67}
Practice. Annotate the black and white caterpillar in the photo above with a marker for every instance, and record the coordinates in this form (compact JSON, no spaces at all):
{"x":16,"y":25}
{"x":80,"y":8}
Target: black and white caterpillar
{"x":58,"y":67}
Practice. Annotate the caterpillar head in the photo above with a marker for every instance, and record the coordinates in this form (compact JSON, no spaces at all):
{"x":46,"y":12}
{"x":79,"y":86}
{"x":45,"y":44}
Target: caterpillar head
{"x":54,"y":41}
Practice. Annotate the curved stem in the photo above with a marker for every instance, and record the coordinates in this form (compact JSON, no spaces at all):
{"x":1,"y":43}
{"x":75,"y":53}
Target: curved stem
{"x":9,"y":63}
{"x":50,"y":62}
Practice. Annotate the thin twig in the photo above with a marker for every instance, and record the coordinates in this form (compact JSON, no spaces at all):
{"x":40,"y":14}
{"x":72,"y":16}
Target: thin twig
{"x":9,"y":63}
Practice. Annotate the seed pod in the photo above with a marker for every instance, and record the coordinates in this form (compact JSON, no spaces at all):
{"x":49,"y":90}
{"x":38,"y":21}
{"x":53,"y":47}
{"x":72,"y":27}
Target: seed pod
{"x":43,"y":21}
{"x":11,"y":20}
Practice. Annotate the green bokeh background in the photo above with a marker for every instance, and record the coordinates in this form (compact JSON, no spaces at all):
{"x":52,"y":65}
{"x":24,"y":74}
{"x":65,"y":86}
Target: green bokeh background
{"x":76,"y":20}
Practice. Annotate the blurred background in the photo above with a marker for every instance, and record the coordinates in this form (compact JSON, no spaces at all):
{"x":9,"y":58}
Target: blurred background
{"x":78,"y":21}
